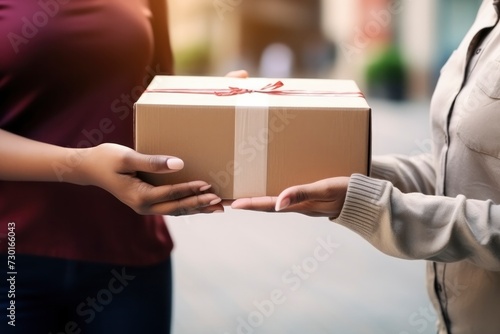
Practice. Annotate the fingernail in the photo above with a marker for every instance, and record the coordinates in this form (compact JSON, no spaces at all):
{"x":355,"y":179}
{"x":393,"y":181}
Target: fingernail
{"x":215,"y":201}
{"x":175,"y":163}
{"x":218,"y":211}
{"x":283,"y":204}
{"x":205,"y":188}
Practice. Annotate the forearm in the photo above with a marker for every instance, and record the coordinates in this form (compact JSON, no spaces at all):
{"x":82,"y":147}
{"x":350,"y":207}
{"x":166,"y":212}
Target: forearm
{"x":416,"y":226}
{"x":112,"y":167}
{"x":407,"y":173}
{"x":162,"y":62}
{"x":24,"y":159}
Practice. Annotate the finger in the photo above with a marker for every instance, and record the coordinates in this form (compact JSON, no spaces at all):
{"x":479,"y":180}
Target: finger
{"x":238,"y":74}
{"x":227,"y":202}
{"x":217,"y":208}
{"x":266,"y":204}
{"x":135,"y":161}
{"x":203,"y":203}
{"x":178,"y":191}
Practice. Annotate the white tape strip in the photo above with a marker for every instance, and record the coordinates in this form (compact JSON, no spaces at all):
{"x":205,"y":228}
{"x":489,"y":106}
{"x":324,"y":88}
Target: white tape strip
{"x":250,"y":145}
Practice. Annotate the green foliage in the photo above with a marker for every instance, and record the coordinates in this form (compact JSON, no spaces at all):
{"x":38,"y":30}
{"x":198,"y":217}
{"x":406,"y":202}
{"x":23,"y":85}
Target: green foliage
{"x":193,"y":60}
{"x":386,"y":75}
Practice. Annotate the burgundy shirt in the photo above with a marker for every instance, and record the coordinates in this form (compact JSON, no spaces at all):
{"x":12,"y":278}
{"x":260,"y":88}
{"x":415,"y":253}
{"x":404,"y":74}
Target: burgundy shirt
{"x":70,"y":71}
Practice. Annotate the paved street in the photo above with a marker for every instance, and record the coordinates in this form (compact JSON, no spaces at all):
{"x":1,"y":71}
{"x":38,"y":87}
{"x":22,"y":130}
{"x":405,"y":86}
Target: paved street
{"x":237,"y":272}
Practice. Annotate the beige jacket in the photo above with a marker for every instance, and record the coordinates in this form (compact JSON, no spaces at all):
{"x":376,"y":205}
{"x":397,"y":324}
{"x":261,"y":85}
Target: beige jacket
{"x":445,"y":207}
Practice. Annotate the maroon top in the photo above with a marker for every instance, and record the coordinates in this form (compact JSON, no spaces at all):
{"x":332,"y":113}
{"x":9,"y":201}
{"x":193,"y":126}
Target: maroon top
{"x":69,"y":73}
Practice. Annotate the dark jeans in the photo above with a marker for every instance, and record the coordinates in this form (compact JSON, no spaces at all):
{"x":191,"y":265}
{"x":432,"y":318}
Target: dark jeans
{"x":54,"y":296}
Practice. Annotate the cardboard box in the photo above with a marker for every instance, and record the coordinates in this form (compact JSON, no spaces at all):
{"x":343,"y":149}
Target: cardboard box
{"x":254,"y":139}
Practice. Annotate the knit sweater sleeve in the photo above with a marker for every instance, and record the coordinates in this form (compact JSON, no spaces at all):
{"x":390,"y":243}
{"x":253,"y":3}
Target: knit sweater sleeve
{"x":407,"y":173}
{"x":417,"y":226}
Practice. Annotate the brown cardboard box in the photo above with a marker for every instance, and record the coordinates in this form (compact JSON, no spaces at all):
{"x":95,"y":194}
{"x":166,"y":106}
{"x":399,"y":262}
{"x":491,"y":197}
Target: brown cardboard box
{"x":254,"y":143}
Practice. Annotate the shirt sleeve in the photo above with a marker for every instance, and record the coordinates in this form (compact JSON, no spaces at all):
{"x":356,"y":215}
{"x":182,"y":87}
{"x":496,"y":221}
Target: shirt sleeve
{"x":407,"y":173}
{"x":418,"y":226}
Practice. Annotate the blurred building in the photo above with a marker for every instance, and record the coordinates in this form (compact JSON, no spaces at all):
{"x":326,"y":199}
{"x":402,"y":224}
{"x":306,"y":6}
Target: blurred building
{"x":393,"y":49}
{"x":265,"y":37}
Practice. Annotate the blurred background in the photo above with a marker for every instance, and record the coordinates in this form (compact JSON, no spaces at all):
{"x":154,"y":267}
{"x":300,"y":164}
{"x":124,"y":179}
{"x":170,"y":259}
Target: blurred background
{"x":393,"y":49}
{"x":247,"y":272}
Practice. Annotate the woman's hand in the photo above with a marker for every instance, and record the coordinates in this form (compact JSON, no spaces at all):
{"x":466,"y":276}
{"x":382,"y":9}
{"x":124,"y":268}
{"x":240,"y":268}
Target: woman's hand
{"x":323,"y":198}
{"x":114,"y":168}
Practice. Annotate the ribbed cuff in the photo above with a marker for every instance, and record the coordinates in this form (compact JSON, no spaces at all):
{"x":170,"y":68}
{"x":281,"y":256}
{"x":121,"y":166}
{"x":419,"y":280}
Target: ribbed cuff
{"x":360,"y":212}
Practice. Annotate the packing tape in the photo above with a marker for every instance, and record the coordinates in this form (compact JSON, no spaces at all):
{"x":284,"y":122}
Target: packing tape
{"x":251,"y":145}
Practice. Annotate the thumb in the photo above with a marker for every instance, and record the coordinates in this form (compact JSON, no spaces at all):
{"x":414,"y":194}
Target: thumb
{"x":299,"y":194}
{"x":332,"y":189}
{"x":154,"y":163}
{"x":282,"y":203}
{"x":292,"y":195}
